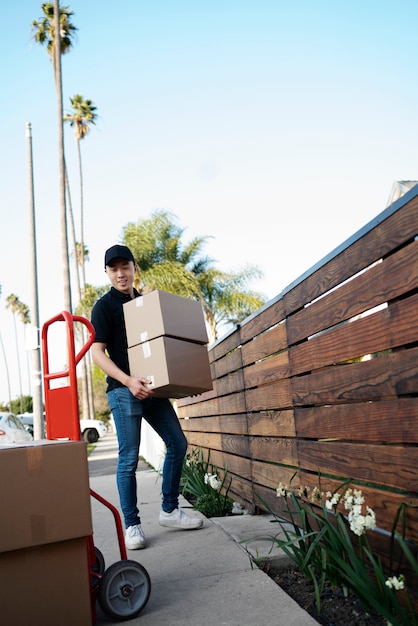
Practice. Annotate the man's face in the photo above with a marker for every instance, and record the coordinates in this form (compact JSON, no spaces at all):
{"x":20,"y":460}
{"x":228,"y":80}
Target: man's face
{"x":121,"y":274}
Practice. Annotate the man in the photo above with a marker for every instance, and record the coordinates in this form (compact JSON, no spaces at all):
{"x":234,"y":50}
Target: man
{"x":130,"y":399}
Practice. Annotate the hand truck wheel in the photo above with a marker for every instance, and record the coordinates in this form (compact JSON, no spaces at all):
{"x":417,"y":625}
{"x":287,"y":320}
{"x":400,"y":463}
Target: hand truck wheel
{"x":98,"y":568}
{"x":124,"y":590}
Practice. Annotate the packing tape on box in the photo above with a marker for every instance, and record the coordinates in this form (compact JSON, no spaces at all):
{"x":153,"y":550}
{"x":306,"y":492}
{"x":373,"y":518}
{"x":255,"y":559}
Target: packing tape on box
{"x":139,"y":301}
{"x":144,"y":336}
{"x":146,"y":349}
{"x":151,"y":378}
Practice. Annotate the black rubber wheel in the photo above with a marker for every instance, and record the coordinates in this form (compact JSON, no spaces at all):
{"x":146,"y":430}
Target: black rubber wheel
{"x":98,"y":567}
{"x":124,"y":590}
{"x":91,"y":435}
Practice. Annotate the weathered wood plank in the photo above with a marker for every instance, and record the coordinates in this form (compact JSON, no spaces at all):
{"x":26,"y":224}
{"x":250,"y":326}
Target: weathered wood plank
{"x":221,"y":348}
{"x":206,"y":407}
{"x":387,"y":422}
{"x":274,"y":449}
{"x":230,"y":383}
{"x":381,"y":283}
{"x":271,"y":474}
{"x":269,"y":316}
{"x":267,"y":343}
{"x":205,"y":440}
{"x":268,"y":370}
{"x":233,"y":424}
{"x":390,"y":466}
{"x":385,"y":504}
{"x":229,"y":363}
{"x":272,"y":423}
{"x":236,"y":444}
{"x":275,"y":396}
{"x":395,"y":326}
{"x":389,"y":376}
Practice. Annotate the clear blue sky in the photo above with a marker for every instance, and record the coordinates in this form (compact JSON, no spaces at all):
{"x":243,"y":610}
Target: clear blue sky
{"x":277,"y":128}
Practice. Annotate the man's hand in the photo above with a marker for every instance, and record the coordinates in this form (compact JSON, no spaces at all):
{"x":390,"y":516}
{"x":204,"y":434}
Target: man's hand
{"x":139,"y":387}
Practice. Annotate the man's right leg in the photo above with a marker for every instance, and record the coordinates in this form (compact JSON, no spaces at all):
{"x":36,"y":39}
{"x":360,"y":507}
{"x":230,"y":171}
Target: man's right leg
{"x":127,"y":414}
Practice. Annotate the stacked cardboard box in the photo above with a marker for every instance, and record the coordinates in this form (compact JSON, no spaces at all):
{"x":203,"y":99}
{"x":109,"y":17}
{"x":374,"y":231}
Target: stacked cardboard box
{"x":45,"y":518}
{"x":167,"y":343}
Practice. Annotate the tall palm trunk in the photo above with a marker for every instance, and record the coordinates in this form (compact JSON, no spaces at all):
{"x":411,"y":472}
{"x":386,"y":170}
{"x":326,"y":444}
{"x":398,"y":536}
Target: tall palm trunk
{"x":88,"y":401}
{"x":86,"y":412}
{"x":61,"y":162}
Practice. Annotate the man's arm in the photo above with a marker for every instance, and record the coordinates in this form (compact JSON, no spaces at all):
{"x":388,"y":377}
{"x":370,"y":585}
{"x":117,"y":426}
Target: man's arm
{"x":137,"y":386}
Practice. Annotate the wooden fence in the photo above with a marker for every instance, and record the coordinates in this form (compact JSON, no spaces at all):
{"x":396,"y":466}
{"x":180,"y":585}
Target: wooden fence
{"x":324,"y":378}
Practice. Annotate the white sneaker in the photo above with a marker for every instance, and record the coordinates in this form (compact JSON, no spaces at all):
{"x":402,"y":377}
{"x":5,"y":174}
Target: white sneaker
{"x":134,"y":538}
{"x":179,"y":519}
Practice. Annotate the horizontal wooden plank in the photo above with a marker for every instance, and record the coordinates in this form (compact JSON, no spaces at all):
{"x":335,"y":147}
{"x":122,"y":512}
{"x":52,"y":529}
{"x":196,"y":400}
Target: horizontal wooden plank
{"x":388,"y":376}
{"x":271,"y":474}
{"x":230,"y":383}
{"x":201,"y":424}
{"x":206,"y":407}
{"x":393,"y":277}
{"x":242,"y":491}
{"x":274,"y":449}
{"x":392,"y":327}
{"x":205,"y":440}
{"x":385,"y":504}
{"x":263,"y":345}
{"x":236,"y":444}
{"x":275,"y":396}
{"x":387,"y":422}
{"x":225,"y":345}
{"x":227,"y":364}
{"x":272,"y":423}
{"x":267,"y":370}
{"x":198,"y":398}
{"x":233,"y":424}
{"x":390,"y":466}
{"x":271,"y":314}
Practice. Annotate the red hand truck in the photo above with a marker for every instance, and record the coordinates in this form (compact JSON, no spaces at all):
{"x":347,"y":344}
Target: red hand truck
{"x":123,"y":589}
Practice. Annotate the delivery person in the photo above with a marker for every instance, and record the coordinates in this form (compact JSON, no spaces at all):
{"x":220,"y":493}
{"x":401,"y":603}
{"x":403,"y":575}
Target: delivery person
{"x":130,"y":399}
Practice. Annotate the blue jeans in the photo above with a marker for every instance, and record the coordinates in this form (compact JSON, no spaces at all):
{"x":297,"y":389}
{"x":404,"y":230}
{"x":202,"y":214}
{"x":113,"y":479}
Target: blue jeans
{"x":127,"y":412}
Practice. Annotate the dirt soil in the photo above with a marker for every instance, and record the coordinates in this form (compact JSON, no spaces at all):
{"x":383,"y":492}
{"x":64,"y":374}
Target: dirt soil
{"x":336,"y":610}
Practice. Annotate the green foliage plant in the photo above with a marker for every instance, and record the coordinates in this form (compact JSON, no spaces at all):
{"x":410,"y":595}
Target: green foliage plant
{"x":201,"y":483}
{"x":326,"y":535}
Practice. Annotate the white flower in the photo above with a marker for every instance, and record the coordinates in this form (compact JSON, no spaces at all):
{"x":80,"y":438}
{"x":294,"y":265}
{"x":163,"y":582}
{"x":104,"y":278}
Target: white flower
{"x":281,"y":491}
{"x":332,"y":500}
{"x":396,"y":583}
{"x":212,"y":480}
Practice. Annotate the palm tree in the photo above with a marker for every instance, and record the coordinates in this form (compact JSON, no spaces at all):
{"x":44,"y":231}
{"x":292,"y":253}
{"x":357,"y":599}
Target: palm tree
{"x":58,"y":19}
{"x":6,"y":366}
{"x":83,"y":116}
{"x":165,"y":263}
{"x":18,"y":307}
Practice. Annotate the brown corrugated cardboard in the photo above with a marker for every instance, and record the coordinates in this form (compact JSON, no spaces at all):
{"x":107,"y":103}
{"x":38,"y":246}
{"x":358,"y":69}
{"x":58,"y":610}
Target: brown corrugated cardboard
{"x":177,"y":368}
{"x":46,"y":586}
{"x":161,"y":313}
{"x":45,"y":493}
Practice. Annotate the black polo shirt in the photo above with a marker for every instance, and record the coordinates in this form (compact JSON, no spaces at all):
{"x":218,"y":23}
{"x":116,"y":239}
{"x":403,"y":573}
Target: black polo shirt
{"x":109,"y":327}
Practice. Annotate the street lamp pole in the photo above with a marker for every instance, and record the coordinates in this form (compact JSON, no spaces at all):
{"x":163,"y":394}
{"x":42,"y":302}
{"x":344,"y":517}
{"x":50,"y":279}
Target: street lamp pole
{"x":33,"y":342}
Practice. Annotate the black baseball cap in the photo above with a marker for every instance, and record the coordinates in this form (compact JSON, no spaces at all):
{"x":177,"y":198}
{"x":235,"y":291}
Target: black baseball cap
{"x":118,"y":252}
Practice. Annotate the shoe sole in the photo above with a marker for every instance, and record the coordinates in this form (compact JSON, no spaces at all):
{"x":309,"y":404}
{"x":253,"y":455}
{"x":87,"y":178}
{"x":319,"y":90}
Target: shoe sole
{"x":180,"y":527}
{"x":141,"y":546}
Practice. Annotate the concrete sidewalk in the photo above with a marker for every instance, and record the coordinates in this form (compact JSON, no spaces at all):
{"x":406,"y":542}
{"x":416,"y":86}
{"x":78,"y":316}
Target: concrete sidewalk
{"x":204,"y":576}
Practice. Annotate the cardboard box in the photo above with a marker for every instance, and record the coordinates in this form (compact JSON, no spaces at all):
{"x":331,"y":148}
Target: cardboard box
{"x":159,"y":313}
{"x":46,"y":585}
{"x":176,"y":368}
{"x":45,"y":494}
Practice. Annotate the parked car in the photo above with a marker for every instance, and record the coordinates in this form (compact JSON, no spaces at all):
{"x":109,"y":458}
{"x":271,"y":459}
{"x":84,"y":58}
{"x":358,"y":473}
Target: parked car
{"x":12,"y":429}
{"x":91,"y":430}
